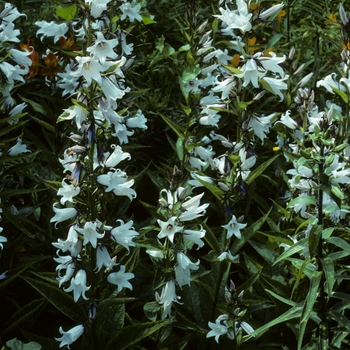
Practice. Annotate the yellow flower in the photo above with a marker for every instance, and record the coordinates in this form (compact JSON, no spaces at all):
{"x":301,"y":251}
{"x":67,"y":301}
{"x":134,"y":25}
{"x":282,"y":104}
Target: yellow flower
{"x":280,"y":14}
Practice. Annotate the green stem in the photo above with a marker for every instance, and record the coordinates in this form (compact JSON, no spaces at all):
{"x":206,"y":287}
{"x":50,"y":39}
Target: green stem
{"x":323,"y":337}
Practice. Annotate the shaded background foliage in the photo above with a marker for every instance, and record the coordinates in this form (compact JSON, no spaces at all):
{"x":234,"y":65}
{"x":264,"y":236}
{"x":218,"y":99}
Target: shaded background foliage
{"x":26,"y":180}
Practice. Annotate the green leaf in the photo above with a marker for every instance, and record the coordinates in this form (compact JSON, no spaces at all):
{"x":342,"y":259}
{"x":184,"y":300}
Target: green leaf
{"x":295,"y":248}
{"x":177,"y":128}
{"x":278,"y":297}
{"x":294,"y":312}
{"x":273,"y":41}
{"x":341,"y":319}
{"x":342,"y":94}
{"x":67,"y":13}
{"x":311,"y":296}
{"x":26,"y":315}
{"x":314,"y":239}
{"x":260,"y":169}
{"x":328,"y":268}
{"x":133,"y":334}
{"x":215,"y":190}
{"x":36,"y":106}
{"x":44,"y":124}
{"x":15,"y":344}
{"x":59,"y":299}
{"x":211,"y":239}
{"x":308,"y":200}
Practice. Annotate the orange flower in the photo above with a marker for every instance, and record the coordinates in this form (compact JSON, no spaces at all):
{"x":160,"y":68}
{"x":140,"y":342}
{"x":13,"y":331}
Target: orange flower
{"x":52,"y":68}
{"x":68,"y":44}
{"x":251,"y":45}
{"x":255,"y":7}
{"x":346,"y":47}
{"x":34,"y":56}
{"x":235,"y":61}
{"x":280,"y":14}
{"x":332,"y":17}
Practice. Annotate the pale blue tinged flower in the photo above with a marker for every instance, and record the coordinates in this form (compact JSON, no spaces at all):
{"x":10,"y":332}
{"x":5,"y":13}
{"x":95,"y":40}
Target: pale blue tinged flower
{"x":121,"y":279}
{"x":168,"y":229}
{"x":195,"y":183}
{"x":192,"y":208}
{"x":103,"y":259}
{"x":124,"y":234}
{"x":167,"y":298}
{"x":288,"y":121}
{"x":126,"y":48}
{"x":234,"y":228}
{"x":217,"y":330}
{"x":63,"y":262}
{"x":132,"y":12}
{"x":68,"y":192}
{"x":329,"y":83}
{"x":116,"y":157}
{"x":18,"y":148}
{"x":137,"y":121}
{"x":62,"y":214}
{"x":260,"y":125}
{"x":4,"y":275}
{"x":250,"y":73}
{"x":17,"y":110}
{"x":125,"y":190}
{"x":90,"y":233}
{"x":10,"y":13}
{"x":225,"y":87}
{"x":110,"y":90}
{"x":72,"y":244}
{"x":70,"y":336}
{"x":9,"y":33}
{"x":75,"y":112}
{"x":103,"y":48}
{"x":122,"y":133}
{"x":227,"y":255}
{"x":89,"y":68}
{"x":2,"y":239}
{"x":78,"y":286}
{"x":97,"y":7}
{"x":68,"y":161}
{"x":158,"y":254}
{"x":277,"y":85}
{"x":271,"y":63}
{"x":112,"y":179}
{"x":67,"y":83}
{"x":68,"y":275}
{"x":195,"y":236}
{"x":21,"y":57}
{"x":237,"y":19}
{"x":183,"y":269}
{"x":51,"y":29}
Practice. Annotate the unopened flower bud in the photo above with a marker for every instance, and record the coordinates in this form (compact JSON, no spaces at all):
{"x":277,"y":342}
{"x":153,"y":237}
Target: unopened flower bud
{"x":76,"y":149}
{"x":259,"y":95}
{"x":76,"y":138}
{"x":298,"y":70}
{"x":330,"y":114}
{"x":305,"y":80}
{"x":270,"y":12}
{"x":343,"y":15}
{"x":92,"y":312}
{"x":291,"y":54}
{"x":202,"y":27}
{"x":163,"y":202}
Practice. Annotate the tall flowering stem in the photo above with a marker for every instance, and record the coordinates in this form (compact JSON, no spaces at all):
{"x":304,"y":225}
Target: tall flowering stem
{"x":94,"y":164}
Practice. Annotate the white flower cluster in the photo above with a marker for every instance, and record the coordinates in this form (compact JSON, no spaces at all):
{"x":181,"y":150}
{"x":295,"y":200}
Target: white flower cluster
{"x":97,"y":82}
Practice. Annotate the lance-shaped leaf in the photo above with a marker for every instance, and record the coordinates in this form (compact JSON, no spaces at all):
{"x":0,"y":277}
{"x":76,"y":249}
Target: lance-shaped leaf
{"x":295,"y":248}
{"x":60,"y":300}
{"x":133,"y":334}
{"x":260,"y":169}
